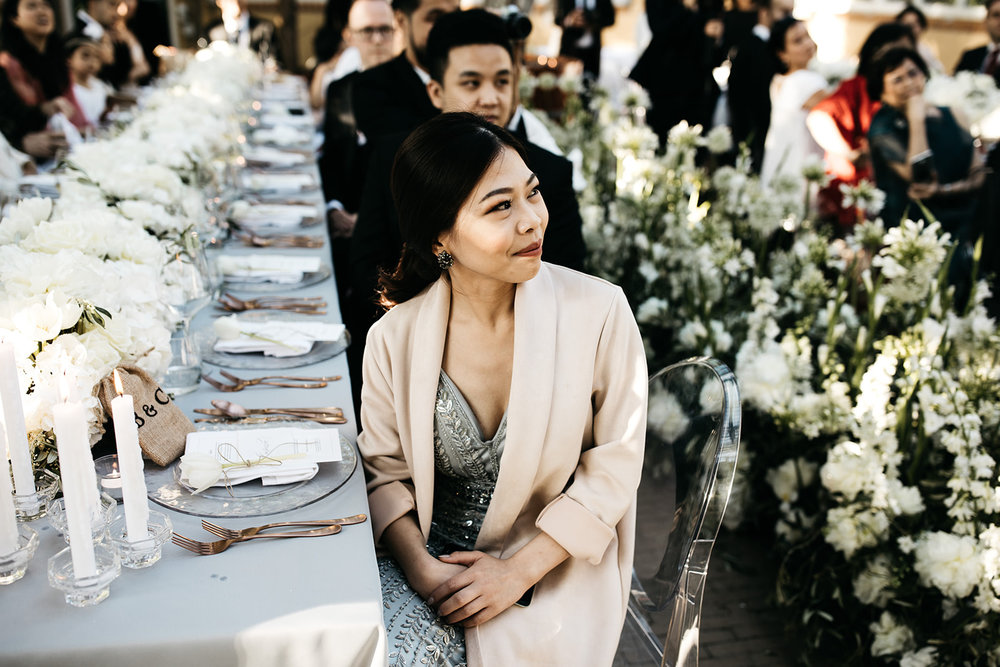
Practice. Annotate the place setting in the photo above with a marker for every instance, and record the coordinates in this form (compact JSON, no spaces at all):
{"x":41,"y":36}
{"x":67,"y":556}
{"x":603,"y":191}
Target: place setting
{"x":271,"y":340}
{"x":258,"y":272}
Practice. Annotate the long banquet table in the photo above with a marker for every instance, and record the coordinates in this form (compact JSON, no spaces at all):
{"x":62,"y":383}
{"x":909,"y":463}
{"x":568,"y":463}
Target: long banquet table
{"x":296,"y":602}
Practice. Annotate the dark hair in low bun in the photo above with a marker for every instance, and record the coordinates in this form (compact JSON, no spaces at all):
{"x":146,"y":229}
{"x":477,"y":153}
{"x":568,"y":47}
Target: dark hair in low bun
{"x":435,"y":171}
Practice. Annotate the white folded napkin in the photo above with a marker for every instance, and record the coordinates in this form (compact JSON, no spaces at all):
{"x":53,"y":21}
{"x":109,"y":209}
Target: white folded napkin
{"x":284,"y":269}
{"x":274,"y":156}
{"x":274,"y":455}
{"x":288,"y":472}
{"x":281,"y":216}
{"x":276,"y":119}
{"x":275,"y":338}
{"x":279,"y":182}
{"x":282,"y":135}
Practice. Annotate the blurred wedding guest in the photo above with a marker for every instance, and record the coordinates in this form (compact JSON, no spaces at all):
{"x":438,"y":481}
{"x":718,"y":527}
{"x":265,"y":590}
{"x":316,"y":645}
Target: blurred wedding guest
{"x":329,"y":47}
{"x":676,"y":67}
{"x":753,"y":67}
{"x":97,"y":20}
{"x":797,"y":89}
{"x":840,"y":122}
{"x":582,"y":22}
{"x":84,"y":61}
{"x":122,"y":33}
{"x":913,"y":18}
{"x":392,"y":97}
{"x":503,"y":418}
{"x":985,"y":59}
{"x":920,"y":152}
{"x":239,"y":26}
{"x":343,"y":161}
{"x":13,"y":163}
{"x":146,"y":21}
{"x":34,"y":79}
{"x":342,"y":166}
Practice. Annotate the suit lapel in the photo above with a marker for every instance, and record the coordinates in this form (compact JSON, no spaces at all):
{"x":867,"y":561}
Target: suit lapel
{"x":529,"y":405}
{"x":408,"y":78}
{"x":425,"y":358}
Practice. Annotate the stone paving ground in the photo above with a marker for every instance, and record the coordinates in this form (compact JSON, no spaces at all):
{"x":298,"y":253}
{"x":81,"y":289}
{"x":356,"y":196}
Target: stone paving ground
{"x":740,"y":626}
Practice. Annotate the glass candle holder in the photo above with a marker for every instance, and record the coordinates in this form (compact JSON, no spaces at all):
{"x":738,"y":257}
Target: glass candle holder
{"x":35,"y":505}
{"x":98,"y":521}
{"x":146,"y":551}
{"x":14,"y":565}
{"x":89,"y":590}
{"x":108,"y":475}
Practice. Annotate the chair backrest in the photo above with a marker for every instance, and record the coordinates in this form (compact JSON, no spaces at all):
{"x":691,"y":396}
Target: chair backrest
{"x":692,"y":441}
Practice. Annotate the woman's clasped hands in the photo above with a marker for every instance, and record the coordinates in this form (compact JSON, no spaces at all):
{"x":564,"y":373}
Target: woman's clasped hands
{"x":477,"y":588}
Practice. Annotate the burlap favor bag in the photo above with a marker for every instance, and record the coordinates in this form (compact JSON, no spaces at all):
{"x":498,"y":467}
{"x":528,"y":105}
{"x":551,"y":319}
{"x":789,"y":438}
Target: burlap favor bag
{"x":163,"y":428}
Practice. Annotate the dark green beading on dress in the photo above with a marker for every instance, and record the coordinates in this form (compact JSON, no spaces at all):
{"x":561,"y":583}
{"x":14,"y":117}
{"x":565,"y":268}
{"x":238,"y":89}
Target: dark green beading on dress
{"x":466,"y":468}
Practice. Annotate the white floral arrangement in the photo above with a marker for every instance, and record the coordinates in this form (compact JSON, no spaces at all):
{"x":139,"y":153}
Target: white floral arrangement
{"x":85,"y":280}
{"x":972,"y":95}
{"x":871,"y":404}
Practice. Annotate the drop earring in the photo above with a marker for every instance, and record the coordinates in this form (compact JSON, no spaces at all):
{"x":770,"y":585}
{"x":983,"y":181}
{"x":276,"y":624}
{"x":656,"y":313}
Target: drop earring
{"x":445,"y":260}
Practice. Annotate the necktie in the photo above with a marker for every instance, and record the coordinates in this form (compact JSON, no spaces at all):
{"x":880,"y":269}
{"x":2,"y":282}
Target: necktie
{"x":990,"y":66}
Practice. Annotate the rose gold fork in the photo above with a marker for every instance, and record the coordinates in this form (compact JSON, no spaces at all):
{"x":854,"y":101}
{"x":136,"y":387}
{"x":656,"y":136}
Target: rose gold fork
{"x":229,"y":533}
{"x":268,"y":379}
{"x":212,"y":548}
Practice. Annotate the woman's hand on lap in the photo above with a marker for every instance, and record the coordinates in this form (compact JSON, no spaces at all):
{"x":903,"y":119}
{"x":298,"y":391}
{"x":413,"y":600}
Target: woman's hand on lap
{"x":487,"y":587}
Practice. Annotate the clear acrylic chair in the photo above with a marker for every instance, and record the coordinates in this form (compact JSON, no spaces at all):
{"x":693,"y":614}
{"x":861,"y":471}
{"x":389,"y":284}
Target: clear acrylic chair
{"x":692,"y":441}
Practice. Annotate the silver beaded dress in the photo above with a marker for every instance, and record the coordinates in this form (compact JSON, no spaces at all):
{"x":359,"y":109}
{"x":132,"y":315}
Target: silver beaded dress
{"x":466,"y":467}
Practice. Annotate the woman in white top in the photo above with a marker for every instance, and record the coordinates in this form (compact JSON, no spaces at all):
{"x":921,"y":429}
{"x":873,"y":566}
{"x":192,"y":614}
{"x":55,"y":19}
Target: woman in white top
{"x":789,"y":145}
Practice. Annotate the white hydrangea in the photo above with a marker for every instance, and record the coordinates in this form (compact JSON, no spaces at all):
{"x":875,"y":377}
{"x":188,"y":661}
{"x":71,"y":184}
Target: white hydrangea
{"x":951,"y":563}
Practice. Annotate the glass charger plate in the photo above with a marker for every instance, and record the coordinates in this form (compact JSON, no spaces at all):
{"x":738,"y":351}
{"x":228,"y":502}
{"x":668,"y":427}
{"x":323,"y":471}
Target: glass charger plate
{"x":308,"y":278}
{"x":251,"y":498}
{"x":321,"y":350}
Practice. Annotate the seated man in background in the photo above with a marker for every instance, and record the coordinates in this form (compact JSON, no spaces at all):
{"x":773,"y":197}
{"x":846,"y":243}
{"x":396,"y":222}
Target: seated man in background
{"x":392,"y":97}
{"x":369,"y":30}
{"x":471,"y":65}
{"x":239,"y":26}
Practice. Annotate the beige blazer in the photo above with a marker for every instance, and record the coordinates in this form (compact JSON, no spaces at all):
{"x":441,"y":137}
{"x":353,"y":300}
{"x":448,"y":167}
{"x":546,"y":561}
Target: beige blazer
{"x":571,"y":462}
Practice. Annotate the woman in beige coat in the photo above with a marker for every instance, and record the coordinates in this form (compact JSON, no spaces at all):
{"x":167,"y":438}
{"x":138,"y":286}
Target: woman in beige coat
{"x":523,"y":540}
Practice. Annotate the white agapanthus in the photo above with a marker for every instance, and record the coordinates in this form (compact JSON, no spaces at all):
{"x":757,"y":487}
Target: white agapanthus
{"x":765,"y":377}
{"x":651,"y":310}
{"x":666,"y":416}
{"x":719,"y":139}
{"x":925,"y":657}
{"x":787,"y":479}
{"x":873,"y":584}
{"x":911,"y":259}
{"x":890,"y":637}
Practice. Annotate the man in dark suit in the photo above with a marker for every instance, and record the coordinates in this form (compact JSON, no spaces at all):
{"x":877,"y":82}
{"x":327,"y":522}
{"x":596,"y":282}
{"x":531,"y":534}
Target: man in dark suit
{"x":985,"y":59}
{"x":470,"y":59}
{"x":582,"y":22}
{"x":246,"y":30}
{"x":392,"y":97}
{"x":753,"y":67}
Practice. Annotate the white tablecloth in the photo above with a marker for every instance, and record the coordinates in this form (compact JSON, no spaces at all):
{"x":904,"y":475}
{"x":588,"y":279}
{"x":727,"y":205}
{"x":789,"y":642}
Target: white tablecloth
{"x":297,"y":602}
